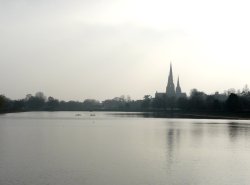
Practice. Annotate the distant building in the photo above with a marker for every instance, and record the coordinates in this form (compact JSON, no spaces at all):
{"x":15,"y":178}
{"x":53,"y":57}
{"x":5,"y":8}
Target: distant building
{"x":170,"y":89}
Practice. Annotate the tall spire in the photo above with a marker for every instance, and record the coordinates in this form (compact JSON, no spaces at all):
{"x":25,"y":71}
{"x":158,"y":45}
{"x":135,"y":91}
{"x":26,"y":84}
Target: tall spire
{"x":170,"y":90}
{"x":171,"y":72}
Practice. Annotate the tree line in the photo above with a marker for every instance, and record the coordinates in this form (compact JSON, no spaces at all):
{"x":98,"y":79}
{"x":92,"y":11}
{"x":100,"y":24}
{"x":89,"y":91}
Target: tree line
{"x":229,"y":102}
{"x":198,"y":101}
{"x":39,"y":102}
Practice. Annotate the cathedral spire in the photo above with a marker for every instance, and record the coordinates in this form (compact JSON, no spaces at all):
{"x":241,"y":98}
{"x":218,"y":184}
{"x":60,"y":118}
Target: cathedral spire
{"x":170,"y":90}
{"x":178,"y":87}
{"x":170,"y":77}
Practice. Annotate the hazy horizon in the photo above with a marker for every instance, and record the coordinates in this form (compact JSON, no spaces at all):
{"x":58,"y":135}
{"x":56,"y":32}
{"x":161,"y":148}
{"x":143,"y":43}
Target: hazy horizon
{"x":74,"y":50}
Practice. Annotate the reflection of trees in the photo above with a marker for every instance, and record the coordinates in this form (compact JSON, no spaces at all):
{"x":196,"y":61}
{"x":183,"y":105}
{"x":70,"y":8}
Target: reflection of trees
{"x":238,"y":130}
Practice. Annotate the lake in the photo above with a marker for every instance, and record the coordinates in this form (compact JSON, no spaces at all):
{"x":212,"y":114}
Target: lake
{"x":105,"y":148}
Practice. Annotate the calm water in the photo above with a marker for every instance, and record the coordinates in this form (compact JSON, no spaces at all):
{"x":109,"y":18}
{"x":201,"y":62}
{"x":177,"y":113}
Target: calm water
{"x":60,"y":148}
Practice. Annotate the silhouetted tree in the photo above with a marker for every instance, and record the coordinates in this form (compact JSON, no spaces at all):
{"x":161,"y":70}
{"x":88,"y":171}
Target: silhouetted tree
{"x":170,"y":102}
{"x":52,"y":104}
{"x":159,"y":103}
{"x":230,"y":91}
{"x":197,"y":100}
{"x":134,"y":105}
{"x":36,"y":102}
{"x":233,"y":103}
{"x":91,"y":104}
{"x":245,"y":91}
{"x":182,"y":103}
{"x":2,"y":102}
{"x":117,"y":103}
{"x":40,"y":95}
{"x":18,"y":105}
{"x":5,"y":104}
{"x":217,"y":105}
{"x":146,"y":102}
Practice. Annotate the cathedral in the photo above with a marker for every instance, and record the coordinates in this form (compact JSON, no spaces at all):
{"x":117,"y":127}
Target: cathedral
{"x":171,"y":91}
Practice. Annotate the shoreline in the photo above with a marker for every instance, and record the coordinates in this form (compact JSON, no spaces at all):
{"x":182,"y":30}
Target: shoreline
{"x":184,"y":115}
{"x":160,"y":114}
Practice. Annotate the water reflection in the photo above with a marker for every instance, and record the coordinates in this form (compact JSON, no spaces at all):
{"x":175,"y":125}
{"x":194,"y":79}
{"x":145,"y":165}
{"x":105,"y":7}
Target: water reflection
{"x":238,"y":130}
{"x":235,"y":130}
{"x":172,"y":144}
{"x":59,"y":149}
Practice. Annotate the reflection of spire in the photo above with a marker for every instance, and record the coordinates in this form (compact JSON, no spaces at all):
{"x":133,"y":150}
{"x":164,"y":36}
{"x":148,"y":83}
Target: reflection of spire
{"x":172,"y":144}
{"x":170,"y":90}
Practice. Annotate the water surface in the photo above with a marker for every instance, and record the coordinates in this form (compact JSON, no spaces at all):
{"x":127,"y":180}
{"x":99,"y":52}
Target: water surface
{"x":60,"y":148}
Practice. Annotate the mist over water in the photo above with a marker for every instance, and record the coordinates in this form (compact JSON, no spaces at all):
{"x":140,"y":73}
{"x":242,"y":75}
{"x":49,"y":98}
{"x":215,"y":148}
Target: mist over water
{"x":62,"y":148}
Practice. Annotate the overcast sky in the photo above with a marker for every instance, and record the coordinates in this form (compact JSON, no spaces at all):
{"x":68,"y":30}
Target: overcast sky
{"x":100,"y":49}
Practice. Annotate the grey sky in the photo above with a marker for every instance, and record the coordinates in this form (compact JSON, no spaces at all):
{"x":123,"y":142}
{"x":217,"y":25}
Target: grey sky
{"x":102,"y":49}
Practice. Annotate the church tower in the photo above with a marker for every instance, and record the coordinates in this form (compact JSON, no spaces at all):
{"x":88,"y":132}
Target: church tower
{"x":170,"y":90}
{"x":178,"y":88}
